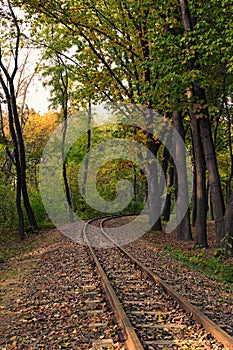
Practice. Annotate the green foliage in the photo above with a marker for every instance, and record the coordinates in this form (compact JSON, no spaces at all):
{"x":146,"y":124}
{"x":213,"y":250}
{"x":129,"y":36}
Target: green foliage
{"x":212,"y":266}
{"x":226,"y":247}
{"x":10,"y":244}
{"x":109,"y":174}
{"x":39,"y":210}
{"x":8,"y":214}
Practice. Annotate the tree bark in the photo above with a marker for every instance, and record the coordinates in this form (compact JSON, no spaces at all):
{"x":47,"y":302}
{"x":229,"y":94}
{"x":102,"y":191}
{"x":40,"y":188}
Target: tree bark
{"x":194,"y":195}
{"x":169,"y":182}
{"x":89,"y":112}
{"x":20,"y":141}
{"x":183,"y":228}
{"x":227,"y":228}
{"x":154,"y":200}
{"x":228,"y":189}
{"x":3,"y":136}
{"x":64,"y":171}
{"x":211,"y":163}
{"x":18,"y":168}
{"x":200,"y":177}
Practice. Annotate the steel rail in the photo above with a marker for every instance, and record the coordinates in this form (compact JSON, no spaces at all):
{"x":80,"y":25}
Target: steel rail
{"x":211,"y":327}
{"x":132,"y":341}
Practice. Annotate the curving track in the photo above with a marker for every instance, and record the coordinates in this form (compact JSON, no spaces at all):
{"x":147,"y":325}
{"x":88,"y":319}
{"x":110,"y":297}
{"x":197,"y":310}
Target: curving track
{"x":151,"y":314}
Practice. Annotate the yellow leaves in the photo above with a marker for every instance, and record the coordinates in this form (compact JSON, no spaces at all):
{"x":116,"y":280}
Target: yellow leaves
{"x":39,"y":128}
{"x":141,"y":136}
{"x":154,"y":137}
{"x":160,"y":318}
{"x":66,"y":344}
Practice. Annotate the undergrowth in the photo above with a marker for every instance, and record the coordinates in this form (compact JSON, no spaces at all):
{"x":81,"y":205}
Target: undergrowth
{"x":212,"y":266}
{"x":11,"y":246}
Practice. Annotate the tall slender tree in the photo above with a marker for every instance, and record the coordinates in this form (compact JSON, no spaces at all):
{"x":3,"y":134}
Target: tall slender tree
{"x":7,"y":81}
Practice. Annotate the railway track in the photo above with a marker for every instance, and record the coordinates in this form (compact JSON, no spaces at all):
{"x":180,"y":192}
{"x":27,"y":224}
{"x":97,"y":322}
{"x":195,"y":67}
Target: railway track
{"x":151,"y":314}
{"x":62,"y":306}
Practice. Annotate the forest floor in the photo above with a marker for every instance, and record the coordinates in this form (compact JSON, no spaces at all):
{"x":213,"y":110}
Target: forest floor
{"x":17,"y":269}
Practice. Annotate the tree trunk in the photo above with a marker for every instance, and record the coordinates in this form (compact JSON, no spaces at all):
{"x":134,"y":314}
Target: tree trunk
{"x":228,"y":189}
{"x":88,"y":149}
{"x":154,"y":202}
{"x":18,"y":172}
{"x":211,"y":163}
{"x":153,"y":191}
{"x":227,"y":228}
{"x":22,"y":157}
{"x":194,"y":196}
{"x":3,"y":136}
{"x":200,"y":177}
{"x":209,"y":200}
{"x":64,"y":169}
{"x":134,"y":183}
{"x":183,"y":228}
{"x":167,"y":205}
{"x":19,"y":207}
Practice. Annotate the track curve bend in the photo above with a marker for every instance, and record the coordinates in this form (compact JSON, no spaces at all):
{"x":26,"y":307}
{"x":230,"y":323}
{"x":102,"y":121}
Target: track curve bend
{"x":151,"y":313}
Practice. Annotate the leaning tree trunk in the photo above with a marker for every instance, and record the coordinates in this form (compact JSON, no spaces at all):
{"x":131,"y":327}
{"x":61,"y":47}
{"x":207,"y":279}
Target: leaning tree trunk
{"x":22,"y":157}
{"x":18,"y":171}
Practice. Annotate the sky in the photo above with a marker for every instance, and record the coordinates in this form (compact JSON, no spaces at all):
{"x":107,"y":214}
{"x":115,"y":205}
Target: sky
{"x":37,"y":97}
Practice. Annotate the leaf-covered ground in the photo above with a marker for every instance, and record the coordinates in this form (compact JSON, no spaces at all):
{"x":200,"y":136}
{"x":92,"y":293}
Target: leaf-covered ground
{"x":195,"y":273}
{"x":51,"y":299}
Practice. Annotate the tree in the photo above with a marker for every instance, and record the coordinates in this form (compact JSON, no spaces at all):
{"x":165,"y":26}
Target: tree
{"x":7,"y":80}
{"x":62,"y":90}
{"x":154,"y":54}
{"x":198,"y":96}
{"x":183,"y":228}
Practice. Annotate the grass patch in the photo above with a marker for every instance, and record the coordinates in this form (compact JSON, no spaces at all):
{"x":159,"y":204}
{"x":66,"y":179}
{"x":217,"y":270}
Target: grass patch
{"x":9,"y":274}
{"x":11,"y":245}
{"x":211,"y":266}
